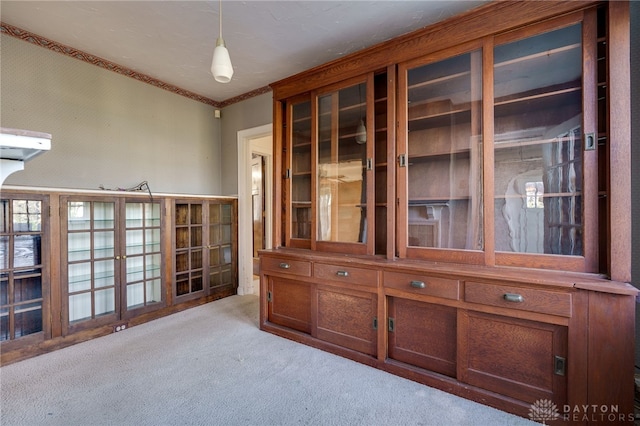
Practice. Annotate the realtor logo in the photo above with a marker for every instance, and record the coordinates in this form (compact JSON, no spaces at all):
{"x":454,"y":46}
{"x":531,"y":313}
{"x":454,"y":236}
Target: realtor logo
{"x":543,"y":410}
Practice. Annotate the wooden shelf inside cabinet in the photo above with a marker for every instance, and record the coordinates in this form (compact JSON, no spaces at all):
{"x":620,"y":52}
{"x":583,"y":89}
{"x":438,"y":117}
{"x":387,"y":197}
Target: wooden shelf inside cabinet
{"x":551,"y":98}
{"x":440,"y":119}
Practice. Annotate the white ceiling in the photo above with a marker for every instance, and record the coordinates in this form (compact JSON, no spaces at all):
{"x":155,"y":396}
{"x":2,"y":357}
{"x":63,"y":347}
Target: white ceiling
{"x":173,"y":41}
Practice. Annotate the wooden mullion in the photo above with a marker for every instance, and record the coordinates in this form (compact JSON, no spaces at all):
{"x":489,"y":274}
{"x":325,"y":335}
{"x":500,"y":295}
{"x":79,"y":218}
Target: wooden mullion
{"x":488,"y":159}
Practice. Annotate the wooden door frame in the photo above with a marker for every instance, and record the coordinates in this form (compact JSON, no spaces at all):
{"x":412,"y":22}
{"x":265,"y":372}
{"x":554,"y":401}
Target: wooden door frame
{"x":247,"y":145}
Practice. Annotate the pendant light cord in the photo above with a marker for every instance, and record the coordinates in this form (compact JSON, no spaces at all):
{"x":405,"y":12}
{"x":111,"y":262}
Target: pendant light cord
{"x":220,"y":16}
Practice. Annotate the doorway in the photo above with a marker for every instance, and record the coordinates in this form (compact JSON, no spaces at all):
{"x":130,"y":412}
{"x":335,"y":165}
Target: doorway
{"x":255,"y":152}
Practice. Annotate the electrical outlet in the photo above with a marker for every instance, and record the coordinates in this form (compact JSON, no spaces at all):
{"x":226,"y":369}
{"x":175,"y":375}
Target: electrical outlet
{"x":119,"y":327}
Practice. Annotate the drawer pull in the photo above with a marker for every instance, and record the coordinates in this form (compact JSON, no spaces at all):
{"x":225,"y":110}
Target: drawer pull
{"x":511,"y":297}
{"x":342,"y":273}
{"x":285,"y":265}
{"x":417,"y":284}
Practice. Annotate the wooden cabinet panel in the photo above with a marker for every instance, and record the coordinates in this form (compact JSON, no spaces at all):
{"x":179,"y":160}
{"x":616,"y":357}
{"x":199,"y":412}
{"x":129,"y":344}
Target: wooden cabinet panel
{"x":420,"y":284}
{"x":423,"y":334}
{"x":346,"y":318}
{"x":346,"y":274}
{"x":290,"y":303}
{"x":527,"y":299}
{"x":286,"y":266}
{"x":525,"y":360}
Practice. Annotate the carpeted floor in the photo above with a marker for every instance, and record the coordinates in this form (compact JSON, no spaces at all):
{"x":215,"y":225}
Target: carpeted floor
{"x":211,"y":365}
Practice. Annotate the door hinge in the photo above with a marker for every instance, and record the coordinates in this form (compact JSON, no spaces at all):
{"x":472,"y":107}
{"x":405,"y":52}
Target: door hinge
{"x":375,"y":323}
{"x":269,"y":297}
{"x":559,"y":365}
{"x":369,"y":164}
{"x":402,"y":160}
{"x":392,"y":324}
{"x":287,"y":174}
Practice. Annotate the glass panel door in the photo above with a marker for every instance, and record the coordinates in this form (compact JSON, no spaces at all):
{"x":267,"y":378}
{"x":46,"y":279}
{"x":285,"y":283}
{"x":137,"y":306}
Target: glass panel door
{"x":189,"y":265}
{"x":538,"y":144}
{"x":91,"y":256}
{"x":300,"y":170}
{"x":142,"y":257}
{"x":21,"y":278}
{"x":221,"y":246}
{"x":444,"y":152}
{"x":342,"y":165}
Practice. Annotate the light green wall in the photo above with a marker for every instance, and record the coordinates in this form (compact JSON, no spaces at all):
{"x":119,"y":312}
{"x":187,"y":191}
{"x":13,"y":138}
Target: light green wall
{"x":107,"y":129}
{"x":253,"y":112}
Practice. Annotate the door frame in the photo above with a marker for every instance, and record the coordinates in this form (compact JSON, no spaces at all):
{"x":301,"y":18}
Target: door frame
{"x":249,"y":142}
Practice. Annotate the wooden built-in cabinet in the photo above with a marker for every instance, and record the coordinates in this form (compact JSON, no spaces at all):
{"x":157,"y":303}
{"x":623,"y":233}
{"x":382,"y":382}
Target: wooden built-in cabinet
{"x":448,"y":211}
{"x":74,"y":266}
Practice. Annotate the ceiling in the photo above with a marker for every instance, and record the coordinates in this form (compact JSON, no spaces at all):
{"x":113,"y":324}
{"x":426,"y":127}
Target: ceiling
{"x":173,"y":41}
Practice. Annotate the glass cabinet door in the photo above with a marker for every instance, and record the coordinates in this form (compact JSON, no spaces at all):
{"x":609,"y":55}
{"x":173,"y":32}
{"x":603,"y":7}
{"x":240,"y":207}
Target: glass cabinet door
{"x":189,"y":266}
{"x":21,"y":266}
{"x":143,"y":273}
{"x":221,"y":246}
{"x":341,"y":200}
{"x":441,"y":163}
{"x":299,"y":170}
{"x":538,"y":144}
{"x":91,"y":260}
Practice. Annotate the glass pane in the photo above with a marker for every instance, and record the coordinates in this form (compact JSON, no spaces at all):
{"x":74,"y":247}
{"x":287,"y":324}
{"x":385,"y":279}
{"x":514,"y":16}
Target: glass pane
{"x":196,"y":214}
{"x":182,"y":238}
{"x":182,"y":262}
{"x":28,"y":319}
{"x":103,"y":215}
{"x":134,"y":214}
{"x":4,"y":324}
{"x":214,"y":213}
{"x":196,"y":283}
{"x":27,"y":286}
{"x":104,"y":273}
{"x":4,"y":215}
{"x":226,"y":233}
{"x":152,"y":240}
{"x":214,"y":234}
{"x":196,"y":259}
{"x":196,"y":236}
{"x":444,"y":153}
{"x":4,"y":289}
{"x":78,"y":215}
{"x":215,"y":278}
{"x":301,"y":170}
{"x":103,"y":244}
{"x":154,"y":291}
{"x":226,"y":254}
{"x":79,"y":246}
{"x":153,"y":264}
{"x":79,"y":277}
{"x":214,"y":256}
{"x":79,"y":307}
{"x":341,"y":165}
{"x":26,"y":250}
{"x":135,"y":269}
{"x":226,"y":276}
{"x":135,"y":295}
{"x":152,"y":214}
{"x":538,"y":145}
{"x":182,"y":284}
{"x":105,"y":301}
{"x":182,"y":213}
{"x":226,"y":213}
{"x":26,"y":216}
{"x":135,"y":242}
{"x":4,"y":252}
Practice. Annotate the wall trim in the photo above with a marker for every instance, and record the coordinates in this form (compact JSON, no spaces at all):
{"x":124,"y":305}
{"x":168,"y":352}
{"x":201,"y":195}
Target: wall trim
{"x":29,"y":37}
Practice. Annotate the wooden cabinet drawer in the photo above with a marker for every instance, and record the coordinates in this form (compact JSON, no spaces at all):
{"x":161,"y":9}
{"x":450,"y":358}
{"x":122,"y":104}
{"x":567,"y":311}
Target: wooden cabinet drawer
{"x":420,"y":284}
{"x":288,"y":266}
{"x":346,"y":274}
{"x":526,"y":299}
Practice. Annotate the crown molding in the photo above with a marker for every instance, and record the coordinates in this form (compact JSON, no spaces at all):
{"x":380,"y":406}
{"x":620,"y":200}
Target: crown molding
{"x":29,"y":37}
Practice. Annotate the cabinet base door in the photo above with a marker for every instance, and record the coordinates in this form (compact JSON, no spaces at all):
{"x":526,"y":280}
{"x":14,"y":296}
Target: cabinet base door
{"x":423,"y":334}
{"x":290,"y":304}
{"x":347,"y":319}
{"x":525,"y":360}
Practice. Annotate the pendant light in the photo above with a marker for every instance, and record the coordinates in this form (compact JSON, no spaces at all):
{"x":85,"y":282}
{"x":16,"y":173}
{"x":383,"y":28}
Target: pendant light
{"x":221,"y":67}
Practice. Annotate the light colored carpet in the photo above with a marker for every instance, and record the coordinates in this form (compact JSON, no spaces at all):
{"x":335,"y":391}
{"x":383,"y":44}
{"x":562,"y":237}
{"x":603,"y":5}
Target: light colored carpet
{"x":211,"y":365}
